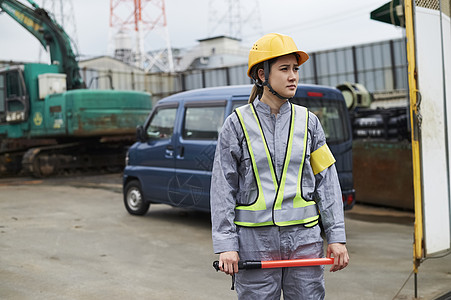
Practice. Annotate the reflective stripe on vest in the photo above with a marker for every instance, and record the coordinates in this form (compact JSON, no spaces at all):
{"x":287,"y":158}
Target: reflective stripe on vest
{"x":278,"y":201}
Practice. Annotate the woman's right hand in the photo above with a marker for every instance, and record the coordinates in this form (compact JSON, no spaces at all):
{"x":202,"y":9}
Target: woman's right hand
{"x":228,"y":262}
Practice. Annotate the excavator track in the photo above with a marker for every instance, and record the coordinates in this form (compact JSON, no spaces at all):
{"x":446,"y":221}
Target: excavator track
{"x":12,"y":152}
{"x":73,"y":158}
{"x":10,"y":162}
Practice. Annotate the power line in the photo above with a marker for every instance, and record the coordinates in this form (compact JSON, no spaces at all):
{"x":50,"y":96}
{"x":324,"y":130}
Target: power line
{"x":321,"y":21}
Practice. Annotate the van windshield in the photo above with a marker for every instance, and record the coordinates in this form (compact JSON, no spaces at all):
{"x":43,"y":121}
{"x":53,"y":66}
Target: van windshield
{"x":330,"y":113}
{"x":332,"y":116}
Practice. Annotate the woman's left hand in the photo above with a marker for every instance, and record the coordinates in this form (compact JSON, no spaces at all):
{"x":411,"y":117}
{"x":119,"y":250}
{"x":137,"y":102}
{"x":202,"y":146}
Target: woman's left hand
{"x":340,"y":254}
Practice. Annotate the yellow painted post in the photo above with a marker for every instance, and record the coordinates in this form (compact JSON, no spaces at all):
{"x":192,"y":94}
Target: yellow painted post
{"x":415,"y":121}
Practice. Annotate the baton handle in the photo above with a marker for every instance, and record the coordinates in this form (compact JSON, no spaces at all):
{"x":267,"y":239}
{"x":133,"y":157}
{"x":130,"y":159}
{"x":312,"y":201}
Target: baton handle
{"x":243,"y":265}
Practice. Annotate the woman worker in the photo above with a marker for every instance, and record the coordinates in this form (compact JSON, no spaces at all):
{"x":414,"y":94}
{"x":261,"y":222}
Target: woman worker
{"x":273,"y":179}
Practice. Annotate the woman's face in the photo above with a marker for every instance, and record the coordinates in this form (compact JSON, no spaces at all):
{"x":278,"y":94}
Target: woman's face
{"x":284,"y":75}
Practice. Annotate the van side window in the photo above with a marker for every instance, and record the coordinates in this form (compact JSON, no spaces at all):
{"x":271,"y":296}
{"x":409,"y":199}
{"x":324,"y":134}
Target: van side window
{"x":203,"y":123}
{"x":161,"y":125}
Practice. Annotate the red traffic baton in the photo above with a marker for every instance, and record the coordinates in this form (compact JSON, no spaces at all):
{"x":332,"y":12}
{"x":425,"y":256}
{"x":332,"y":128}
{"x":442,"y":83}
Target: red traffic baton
{"x":258,"y":264}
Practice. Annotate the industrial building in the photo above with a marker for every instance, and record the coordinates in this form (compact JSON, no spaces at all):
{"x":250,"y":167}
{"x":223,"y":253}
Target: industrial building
{"x":381,"y":67}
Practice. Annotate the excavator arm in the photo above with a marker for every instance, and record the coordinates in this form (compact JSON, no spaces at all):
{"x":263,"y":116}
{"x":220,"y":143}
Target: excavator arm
{"x":51,"y":35}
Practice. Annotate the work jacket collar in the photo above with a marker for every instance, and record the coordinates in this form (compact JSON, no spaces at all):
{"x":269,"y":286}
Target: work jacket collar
{"x":266,"y":109}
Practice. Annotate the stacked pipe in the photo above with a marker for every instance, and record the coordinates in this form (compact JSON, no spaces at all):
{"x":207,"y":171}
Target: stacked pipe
{"x":381,"y":123}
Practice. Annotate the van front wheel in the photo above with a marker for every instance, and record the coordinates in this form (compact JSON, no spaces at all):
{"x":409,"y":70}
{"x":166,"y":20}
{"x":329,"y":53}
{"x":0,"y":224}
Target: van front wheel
{"x":133,"y":199}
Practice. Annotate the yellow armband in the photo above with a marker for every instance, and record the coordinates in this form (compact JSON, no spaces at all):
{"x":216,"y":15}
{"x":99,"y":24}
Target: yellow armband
{"x":321,"y":159}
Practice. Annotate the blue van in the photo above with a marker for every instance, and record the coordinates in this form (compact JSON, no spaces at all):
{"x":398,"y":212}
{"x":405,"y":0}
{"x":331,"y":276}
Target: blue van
{"x":172,"y":159}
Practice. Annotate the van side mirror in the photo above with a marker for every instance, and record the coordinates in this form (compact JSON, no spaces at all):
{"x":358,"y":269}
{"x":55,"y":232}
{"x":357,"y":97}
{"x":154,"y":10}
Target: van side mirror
{"x":140,"y":133}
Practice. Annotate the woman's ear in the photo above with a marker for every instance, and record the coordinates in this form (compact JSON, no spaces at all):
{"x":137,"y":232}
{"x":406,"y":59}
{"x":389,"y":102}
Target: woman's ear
{"x":261,"y":75}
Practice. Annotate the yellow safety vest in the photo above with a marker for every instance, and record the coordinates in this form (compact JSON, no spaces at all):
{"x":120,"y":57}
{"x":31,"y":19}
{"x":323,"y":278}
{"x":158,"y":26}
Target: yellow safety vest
{"x":279,"y":201}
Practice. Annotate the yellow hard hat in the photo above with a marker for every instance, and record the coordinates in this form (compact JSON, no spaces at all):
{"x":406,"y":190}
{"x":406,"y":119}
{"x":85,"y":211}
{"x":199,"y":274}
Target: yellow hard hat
{"x":273,"y":45}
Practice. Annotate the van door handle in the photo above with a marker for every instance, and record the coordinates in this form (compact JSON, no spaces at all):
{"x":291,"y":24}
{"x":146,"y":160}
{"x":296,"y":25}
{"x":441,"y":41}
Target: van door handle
{"x":181,"y":153}
{"x":169,"y":151}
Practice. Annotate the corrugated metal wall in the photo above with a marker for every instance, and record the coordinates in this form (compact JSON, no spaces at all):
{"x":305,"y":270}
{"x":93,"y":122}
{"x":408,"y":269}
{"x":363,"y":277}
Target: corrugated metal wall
{"x":380,"y":67}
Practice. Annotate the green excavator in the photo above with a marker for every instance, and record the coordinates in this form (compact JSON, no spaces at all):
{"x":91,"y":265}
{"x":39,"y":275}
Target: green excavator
{"x":49,"y":122}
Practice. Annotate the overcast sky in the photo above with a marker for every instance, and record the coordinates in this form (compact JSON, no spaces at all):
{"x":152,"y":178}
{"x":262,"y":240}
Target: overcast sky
{"x":313,"y":24}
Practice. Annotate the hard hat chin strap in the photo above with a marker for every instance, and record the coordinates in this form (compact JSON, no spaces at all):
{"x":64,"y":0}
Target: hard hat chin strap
{"x":266,"y":82}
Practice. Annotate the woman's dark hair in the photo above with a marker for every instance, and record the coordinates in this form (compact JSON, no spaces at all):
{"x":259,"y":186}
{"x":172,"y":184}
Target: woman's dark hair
{"x":257,"y":89}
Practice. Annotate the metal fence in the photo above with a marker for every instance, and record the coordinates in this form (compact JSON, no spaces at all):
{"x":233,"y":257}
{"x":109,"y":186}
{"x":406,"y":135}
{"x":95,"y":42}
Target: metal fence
{"x":380,"y":67}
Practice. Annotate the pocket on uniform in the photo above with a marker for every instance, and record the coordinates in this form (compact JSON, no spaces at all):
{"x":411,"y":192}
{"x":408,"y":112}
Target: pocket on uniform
{"x":247,"y":193}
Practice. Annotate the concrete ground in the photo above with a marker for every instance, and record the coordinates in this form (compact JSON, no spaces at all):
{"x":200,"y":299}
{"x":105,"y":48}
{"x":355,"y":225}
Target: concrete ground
{"x":73,"y":239}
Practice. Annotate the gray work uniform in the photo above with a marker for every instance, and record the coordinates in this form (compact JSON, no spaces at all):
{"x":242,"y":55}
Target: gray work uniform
{"x":233,"y":178}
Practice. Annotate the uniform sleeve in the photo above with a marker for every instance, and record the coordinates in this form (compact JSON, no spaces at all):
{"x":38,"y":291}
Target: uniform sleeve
{"x":224,"y":187}
{"x":327,"y":190}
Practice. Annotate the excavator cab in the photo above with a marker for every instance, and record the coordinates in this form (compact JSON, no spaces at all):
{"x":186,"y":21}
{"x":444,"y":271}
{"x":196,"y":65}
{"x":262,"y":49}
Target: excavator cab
{"x":14,"y":99}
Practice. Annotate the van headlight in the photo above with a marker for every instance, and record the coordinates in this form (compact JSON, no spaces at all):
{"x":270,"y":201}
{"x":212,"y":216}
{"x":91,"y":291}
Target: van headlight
{"x":127,"y":158}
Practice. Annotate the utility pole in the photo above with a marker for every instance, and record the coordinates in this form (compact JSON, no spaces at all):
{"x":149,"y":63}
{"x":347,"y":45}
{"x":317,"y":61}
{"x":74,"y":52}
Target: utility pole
{"x":234,"y":18}
{"x":141,"y":20}
{"x":63,"y":13}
